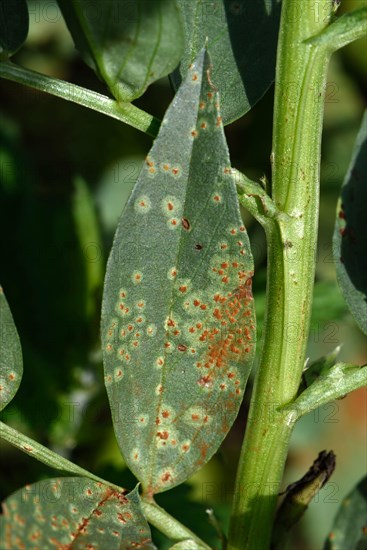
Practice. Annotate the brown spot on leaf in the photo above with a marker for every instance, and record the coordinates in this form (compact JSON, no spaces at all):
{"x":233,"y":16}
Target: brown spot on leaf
{"x":163,"y":435}
{"x":205,"y":381}
{"x":166,"y":477}
{"x":185,"y":224}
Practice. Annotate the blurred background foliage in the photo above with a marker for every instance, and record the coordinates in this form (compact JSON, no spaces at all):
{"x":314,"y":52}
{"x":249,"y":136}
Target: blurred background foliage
{"x":65,"y":174}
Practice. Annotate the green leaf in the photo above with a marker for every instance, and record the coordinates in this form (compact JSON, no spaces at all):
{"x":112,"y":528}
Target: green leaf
{"x":14,"y":22}
{"x":350,"y":526}
{"x":73,"y":512}
{"x":178,"y":325}
{"x":11,"y":361}
{"x":350,"y":234}
{"x":242,"y":38}
{"x":129,"y":44}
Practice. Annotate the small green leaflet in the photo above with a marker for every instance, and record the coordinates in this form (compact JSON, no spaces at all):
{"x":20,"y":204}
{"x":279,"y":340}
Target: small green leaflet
{"x":74,"y":513}
{"x":178,"y":323}
{"x":350,"y":234}
{"x":11,"y":361}
{"x":129,"y":43}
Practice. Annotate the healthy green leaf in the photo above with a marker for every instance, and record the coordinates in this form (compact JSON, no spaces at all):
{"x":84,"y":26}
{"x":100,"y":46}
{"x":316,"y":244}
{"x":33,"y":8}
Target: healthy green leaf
{"x":178,"y":324}
{"x":350,"y":526}
{"x":350,"y":234}
{"x":73,"y":512}
{"x":129,"y":44}
{"x":242,"y":38}
{"x":11,"y":361}
{"x":14,"y":22}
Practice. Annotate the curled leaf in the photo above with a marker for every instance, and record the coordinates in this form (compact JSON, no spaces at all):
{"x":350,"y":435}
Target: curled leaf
{"x":299,"y":495}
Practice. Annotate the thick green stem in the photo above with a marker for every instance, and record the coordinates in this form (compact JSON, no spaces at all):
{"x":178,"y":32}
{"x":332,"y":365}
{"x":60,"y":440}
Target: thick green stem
{"x":125,"y":112}
{"x":292,"y":236}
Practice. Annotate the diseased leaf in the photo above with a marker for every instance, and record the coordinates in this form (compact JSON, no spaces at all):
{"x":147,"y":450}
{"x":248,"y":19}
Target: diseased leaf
{"x":129,"y":44}
{"x":350,"y":525}
{"x":75,"y":513}
{"x":350,"y":234}
{"x":178,"y":324}
{"x":14,"y":23}
{"x":242,"y":38}
{"x":11,"y":361}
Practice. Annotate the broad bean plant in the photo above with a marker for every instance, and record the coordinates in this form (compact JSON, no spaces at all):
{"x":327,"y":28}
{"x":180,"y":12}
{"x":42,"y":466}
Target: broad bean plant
{"x":178,"y":323}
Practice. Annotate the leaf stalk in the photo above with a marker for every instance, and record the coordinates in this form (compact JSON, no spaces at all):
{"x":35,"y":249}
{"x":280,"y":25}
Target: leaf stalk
{"x":124,"y":112}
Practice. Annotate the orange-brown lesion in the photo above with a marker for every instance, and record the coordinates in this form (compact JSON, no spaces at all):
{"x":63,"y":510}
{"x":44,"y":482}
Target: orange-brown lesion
{"x":231,"y":342}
